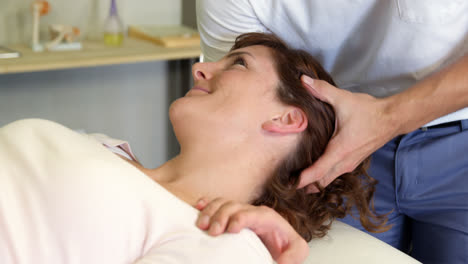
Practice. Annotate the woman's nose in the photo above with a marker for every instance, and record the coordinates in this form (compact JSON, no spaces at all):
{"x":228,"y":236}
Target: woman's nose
{"x":202,"y":71}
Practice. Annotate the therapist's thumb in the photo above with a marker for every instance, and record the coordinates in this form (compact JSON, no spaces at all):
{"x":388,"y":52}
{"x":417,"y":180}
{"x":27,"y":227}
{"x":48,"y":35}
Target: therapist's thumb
{"x":320,"y":89}
{"x":321,"y":171}
{"x":309,"y":176}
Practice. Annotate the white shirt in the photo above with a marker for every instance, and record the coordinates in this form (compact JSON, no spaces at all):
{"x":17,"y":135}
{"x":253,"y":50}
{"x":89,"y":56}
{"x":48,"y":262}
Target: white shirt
{"x":65,"y":198}
{"x":380,"y":47}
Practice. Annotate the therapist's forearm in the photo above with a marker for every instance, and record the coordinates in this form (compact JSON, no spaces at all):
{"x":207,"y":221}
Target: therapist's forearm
{"x":441,"y":93}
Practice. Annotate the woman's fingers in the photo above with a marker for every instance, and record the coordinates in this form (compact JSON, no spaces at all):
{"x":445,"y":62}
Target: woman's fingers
{"x":249,"y":217}
{"x":209,"y":210}
{"x":296,"y":253}
{"x":223,"y":217}
{"x":284,"y":244}
{"x":201,"y":204}
{"x":215,"y":215}
{"x":282,"y":241}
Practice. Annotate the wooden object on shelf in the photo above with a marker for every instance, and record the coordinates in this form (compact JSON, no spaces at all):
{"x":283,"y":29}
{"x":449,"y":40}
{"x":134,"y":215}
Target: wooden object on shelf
{"x":94,"y":53}
{"x":166,"y":35}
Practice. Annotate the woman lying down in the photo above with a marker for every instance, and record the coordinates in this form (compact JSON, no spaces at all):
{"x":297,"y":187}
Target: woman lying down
{"x":246,"y":130}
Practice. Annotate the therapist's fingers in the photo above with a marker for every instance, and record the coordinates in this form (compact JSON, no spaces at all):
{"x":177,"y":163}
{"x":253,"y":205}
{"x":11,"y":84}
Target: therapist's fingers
{"x":363,"y":125}
{"x":321,"y":89}
{"x":323,"y":170}
{"x":334,"y":162}
{"x":329,"y":165}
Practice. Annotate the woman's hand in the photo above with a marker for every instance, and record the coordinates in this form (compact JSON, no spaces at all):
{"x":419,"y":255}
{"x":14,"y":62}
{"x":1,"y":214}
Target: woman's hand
{"x":220,"y":215}
{"x":363,"y":125}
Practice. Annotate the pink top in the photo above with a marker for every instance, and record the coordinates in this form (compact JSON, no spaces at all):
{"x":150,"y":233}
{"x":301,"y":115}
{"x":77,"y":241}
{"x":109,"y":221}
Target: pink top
{"x":117,"y":146}
{"x":66,"y":199}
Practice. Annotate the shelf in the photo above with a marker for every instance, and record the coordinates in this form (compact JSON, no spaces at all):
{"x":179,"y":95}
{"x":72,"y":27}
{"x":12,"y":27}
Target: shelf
{"x":94,"y":53}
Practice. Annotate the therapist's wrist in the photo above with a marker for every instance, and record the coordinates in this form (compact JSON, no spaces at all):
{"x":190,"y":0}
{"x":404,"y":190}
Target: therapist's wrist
{"x":397,"y":115}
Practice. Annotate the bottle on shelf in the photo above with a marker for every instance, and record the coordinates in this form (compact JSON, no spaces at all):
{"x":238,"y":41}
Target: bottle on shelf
{"x":113,"y":27}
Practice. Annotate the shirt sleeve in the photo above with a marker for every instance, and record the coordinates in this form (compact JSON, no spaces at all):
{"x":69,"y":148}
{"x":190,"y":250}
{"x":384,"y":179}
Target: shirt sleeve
{"x":243,"y":248}
{"x":220,"y":22}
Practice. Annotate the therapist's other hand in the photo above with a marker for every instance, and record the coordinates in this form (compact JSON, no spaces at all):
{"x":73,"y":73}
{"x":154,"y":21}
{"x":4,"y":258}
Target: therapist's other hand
{"x":362,"y":126}
{"x":285,"y":245}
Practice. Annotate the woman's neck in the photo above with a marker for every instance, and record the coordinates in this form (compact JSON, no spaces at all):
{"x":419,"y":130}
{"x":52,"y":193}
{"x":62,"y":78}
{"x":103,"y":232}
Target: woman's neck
{"x":190,"y":177}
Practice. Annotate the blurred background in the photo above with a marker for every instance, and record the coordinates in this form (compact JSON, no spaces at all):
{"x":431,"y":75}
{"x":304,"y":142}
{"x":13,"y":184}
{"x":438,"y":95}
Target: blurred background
{"x":126,"y":101}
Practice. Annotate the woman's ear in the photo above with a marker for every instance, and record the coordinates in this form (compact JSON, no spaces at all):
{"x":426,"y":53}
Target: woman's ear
{"x":293,"y":120}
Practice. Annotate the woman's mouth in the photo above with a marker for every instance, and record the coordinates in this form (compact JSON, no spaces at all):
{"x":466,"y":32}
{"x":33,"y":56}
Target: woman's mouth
{"x":198,"y":88}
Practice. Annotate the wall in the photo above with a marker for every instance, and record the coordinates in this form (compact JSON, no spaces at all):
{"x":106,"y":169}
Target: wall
{"x":123,"y":101}
{"x":189,"y":16}
{"x":88,"y":15}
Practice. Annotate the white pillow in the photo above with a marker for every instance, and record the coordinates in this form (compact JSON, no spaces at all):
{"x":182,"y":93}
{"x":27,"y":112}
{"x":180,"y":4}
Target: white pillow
{"x":346,"y":244}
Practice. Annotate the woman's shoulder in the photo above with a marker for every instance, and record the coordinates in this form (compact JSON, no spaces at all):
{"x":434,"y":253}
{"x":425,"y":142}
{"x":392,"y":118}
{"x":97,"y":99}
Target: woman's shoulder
{"x":198,"y":247}
{"x":247,"y":242}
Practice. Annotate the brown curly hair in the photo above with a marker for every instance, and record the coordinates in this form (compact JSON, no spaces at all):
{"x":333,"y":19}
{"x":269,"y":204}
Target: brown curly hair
{"x":311,"y":215}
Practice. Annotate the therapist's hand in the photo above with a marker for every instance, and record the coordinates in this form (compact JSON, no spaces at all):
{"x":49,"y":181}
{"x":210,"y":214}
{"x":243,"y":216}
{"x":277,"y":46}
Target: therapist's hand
{"x":363,"y":125}
{"x":286,"y":246}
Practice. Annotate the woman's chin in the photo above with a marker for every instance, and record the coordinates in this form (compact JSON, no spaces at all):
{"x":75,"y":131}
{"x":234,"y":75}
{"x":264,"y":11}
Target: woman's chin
{"x":178,"y":111}
{"x":183,"y":116}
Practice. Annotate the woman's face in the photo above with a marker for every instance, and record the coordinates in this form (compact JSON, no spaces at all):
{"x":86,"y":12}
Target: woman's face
{"x":233,"y":96}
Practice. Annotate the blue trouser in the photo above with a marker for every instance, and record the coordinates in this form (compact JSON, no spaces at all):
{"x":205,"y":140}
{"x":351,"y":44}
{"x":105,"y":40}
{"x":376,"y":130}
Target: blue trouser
{"x":423,"y":178}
